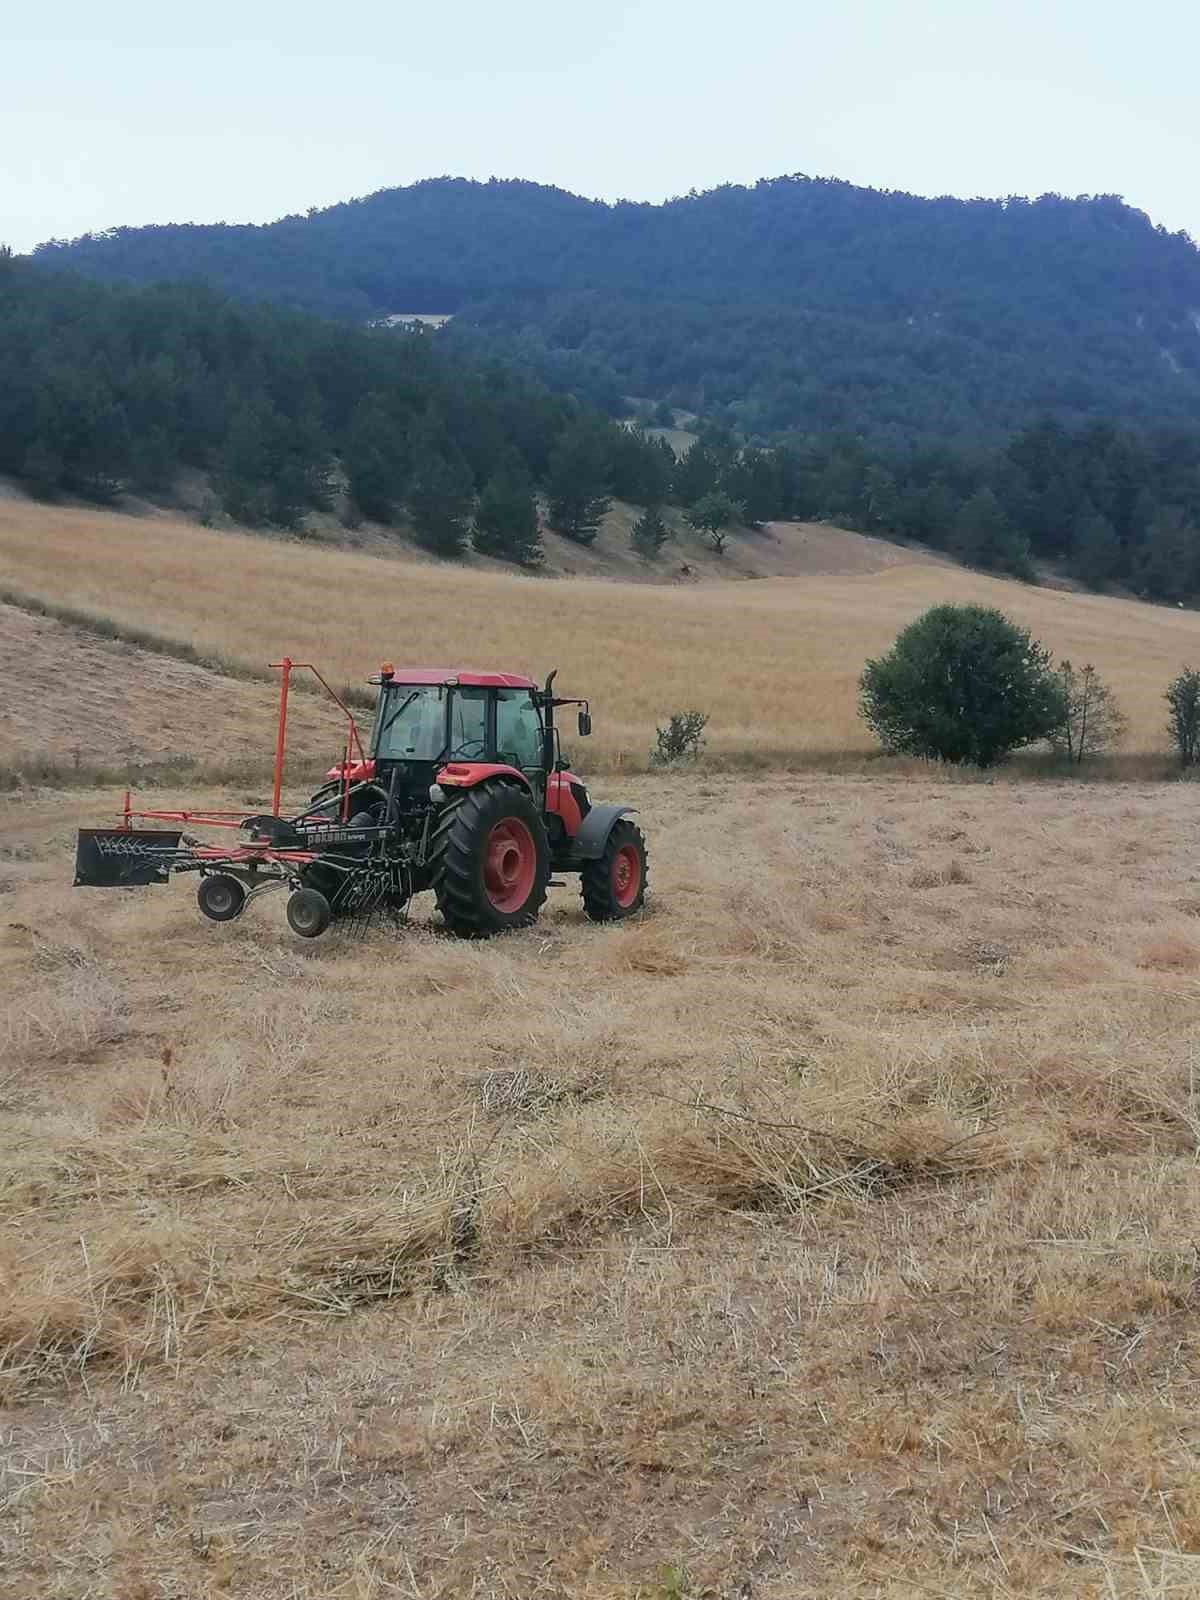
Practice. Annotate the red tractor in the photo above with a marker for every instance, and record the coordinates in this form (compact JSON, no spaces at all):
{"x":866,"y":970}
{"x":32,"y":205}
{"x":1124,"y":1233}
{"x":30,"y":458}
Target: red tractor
{"x":461,"y":788}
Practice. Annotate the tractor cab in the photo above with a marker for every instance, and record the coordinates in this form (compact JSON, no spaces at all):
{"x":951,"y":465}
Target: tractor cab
{"x":426,"y":718}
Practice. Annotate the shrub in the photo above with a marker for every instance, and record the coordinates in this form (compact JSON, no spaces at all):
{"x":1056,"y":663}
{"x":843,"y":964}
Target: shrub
{"x":681,"y":740}
{"x":1091,"y":718}
{"x":1183,"y":720}
{"x":961,"y":684}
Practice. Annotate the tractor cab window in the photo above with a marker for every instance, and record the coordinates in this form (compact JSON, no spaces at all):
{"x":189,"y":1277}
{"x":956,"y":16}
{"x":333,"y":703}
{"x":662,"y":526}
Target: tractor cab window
{"x":518,"y":728}
{"x":468,"y":725}
{"x":410,"y":724}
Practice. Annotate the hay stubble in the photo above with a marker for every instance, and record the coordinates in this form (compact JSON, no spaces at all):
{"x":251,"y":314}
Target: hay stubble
{"x":827,"y":1231}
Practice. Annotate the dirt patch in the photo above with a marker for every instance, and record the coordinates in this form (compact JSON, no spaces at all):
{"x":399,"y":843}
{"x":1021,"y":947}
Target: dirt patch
{"x":81,"y":700}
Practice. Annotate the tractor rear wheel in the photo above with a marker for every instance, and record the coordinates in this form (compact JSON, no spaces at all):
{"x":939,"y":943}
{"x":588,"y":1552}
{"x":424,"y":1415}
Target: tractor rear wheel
{"x":489,"y":861}
{"x":614,"y":885}
{"x":221,"y":897}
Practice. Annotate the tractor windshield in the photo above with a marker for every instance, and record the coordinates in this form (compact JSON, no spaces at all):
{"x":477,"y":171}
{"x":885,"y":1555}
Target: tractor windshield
{"x":410,"y":724}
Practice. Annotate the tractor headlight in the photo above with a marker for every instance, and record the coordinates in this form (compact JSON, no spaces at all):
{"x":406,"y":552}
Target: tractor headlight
{"x":436,"y":793}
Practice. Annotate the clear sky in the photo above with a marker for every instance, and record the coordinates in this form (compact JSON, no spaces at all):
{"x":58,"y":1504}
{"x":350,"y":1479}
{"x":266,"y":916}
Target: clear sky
{"x":132,"y":112}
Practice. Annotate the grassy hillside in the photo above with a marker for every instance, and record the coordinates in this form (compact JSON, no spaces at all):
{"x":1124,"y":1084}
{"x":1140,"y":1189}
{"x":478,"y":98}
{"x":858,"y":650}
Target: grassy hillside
{"x":774,"y":662}
{"x":795,"y":302}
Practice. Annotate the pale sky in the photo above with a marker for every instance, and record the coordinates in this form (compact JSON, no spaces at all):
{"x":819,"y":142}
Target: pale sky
{"x":132,"y":112}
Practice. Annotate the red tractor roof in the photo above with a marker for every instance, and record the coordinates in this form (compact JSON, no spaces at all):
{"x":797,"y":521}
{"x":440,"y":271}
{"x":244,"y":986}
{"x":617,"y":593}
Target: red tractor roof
{"x":463,"y":675}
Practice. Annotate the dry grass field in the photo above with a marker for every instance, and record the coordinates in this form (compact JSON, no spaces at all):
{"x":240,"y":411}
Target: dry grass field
{"x":828,"y":1231}
{"x":773,"y":662}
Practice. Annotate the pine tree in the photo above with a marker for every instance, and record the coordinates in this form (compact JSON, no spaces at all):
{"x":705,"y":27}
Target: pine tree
{"x":43,"y":470}
{"x":578,"y":482}
{"x":1166,"y":566}
{"x":506,"y":523}
{"x":243,"y":467}
{"x":639,"y":469}
{"x":696,"y":474}
{"x":1095,"y":549}
{"x":983,"y":537}
{"x":440,"y":499}
{"x":373,"y":457}
{"x":649,"y":533}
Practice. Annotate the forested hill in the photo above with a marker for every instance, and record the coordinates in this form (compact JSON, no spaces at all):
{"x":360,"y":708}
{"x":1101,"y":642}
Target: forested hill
{"x":110,"y":388}
{"x":796,"y":303}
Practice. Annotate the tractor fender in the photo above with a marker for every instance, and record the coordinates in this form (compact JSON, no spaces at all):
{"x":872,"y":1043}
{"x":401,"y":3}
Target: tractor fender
{"x":466,"y":774}
{"x":593,"y":834}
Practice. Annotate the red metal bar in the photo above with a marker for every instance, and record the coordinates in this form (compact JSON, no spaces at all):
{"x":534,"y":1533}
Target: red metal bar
{"x":234,"y":819}
{"x":285,"y":667}
{"x":346,"y":782}
{"x":341,"y":705}
{"x":204,"y":819}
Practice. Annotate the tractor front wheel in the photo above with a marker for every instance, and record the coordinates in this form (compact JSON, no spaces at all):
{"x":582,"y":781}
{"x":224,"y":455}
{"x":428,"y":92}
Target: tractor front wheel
{"x":614,"y":885}
{"x":221,"y":897}
{"x":489,"y":861}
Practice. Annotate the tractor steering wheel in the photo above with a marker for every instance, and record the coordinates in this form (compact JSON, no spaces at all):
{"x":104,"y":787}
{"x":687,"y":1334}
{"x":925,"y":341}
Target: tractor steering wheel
{"x":469,"y":750}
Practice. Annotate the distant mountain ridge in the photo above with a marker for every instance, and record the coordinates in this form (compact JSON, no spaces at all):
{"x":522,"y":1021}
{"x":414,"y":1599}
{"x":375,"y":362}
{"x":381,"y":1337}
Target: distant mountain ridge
{"x":797,"y":303}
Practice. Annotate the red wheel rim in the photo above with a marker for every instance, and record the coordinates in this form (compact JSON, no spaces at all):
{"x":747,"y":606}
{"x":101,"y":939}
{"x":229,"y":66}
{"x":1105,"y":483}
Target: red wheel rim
{"x":509,"y":865}
{"x":626,"y":876}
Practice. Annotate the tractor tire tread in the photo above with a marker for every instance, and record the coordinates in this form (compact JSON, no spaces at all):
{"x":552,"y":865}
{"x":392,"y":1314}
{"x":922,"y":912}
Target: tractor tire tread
{"x":595,"y":878}
{"x":453,"y":863}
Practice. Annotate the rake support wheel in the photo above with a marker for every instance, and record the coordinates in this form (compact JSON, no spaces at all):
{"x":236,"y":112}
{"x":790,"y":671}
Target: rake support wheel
{"x":614,"y":885}
{"x":220,"y":897}
{"x":489,"y":861}
{"x":308,"y":913}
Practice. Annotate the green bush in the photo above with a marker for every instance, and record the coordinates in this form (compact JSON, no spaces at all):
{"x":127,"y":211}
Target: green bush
{"x":681,"y":740}
{"x":961,"y":684}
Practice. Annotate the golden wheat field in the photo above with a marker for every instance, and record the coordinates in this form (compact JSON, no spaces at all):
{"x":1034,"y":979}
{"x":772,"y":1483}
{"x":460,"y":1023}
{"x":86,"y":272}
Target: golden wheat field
{"x":773,"y":662}
{"x":829,"y":1230}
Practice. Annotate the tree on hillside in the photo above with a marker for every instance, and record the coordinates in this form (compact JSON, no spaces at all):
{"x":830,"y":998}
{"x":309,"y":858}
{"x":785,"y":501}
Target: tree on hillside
{"x":506,"y":521}
{"x":1168,"y":562}
{"x":373,"y":457}
{"x":983,"y":537}
{"x":440,"y":499}
{"x":756,"y":481}
{"x":1091,"y":718}
{"x":880,"y":499}
{"x":244,"y":465}
{"x":713,"y":515}
{"x":1095,"y":549}
{"x":578,"y":482}
{"x":649,"y":533}
{"x":961,"y":684}
{"x":1183,"y":715}
{"x":639,"y":468}
{"x":697,"y":473}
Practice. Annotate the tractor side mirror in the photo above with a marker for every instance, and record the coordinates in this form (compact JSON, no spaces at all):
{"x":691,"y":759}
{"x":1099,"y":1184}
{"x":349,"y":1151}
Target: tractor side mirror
{"x":585,"y":724}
